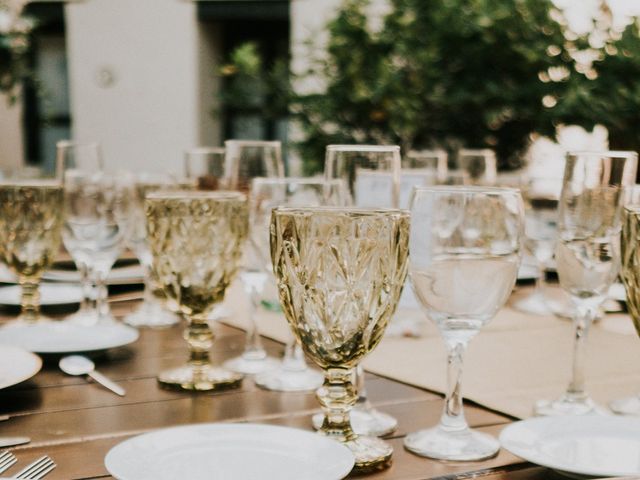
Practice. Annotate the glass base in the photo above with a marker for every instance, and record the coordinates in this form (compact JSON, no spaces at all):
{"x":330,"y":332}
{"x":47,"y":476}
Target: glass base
{"x":371,"y":454}
{"x":203,"y":379}
{"x":626,"y":405}
{"x":151,"y":315}
{"x":568,"y":405}
{"x":252,"y":363}
{"x":534,"y":304}
{"x":464,"y":445}
{"x":287,"y":380}
{"x":365,"y":421}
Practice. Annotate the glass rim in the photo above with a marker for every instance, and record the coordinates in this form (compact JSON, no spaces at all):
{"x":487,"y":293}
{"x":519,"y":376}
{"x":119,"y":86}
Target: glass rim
{"x":362,"y":211}
{"x":218,"y":195}
{"x":204,"y":150}
{"x":296,"y":181}
{"x":253,"y":143}
{"x":362,"y":148}
{"x":603,"y":153}
{"x":466,"y":189}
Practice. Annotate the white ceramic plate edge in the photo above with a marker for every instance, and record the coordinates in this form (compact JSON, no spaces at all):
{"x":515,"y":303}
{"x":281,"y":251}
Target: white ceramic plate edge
{"x":35,"y":368}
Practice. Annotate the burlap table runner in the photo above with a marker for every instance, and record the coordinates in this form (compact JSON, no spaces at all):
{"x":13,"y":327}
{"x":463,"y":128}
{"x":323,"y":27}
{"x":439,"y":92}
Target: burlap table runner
{"x":514,"y":361}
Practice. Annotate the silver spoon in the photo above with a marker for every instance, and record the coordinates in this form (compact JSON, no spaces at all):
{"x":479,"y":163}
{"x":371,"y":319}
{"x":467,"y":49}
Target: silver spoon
{"x":79,"y":365}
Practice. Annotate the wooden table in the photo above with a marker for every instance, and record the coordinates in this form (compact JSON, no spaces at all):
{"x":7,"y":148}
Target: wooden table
{"x":76,"y":422}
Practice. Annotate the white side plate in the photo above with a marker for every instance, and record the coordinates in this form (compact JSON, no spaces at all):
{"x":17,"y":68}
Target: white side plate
{"x":594,"y":445}
{"x":56,"y":337}
{"x":229,"y":451}
{"x":17,"y":365}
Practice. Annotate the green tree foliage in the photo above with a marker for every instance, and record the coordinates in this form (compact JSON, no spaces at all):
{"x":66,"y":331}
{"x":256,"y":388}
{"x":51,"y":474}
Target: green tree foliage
{"x":452,"y":73}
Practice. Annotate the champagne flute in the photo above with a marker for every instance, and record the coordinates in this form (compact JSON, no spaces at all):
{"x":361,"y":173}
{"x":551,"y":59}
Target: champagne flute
{"x":196,"y":241}
{"x":465,"y":251}
{"x":206,"y":167}
{"x":245,"y":160}
{"x":340,"y":272}
{"x":588,"y":254}
{"x":30,"y":226}
{"x":479,"y":164}
{"x":151,"y":312}
{"x":97,"y":207}
{"x":372,"y":176}
{"x":83,"y":157}
{"x":293,"y":374}
{"x":630,"y":254}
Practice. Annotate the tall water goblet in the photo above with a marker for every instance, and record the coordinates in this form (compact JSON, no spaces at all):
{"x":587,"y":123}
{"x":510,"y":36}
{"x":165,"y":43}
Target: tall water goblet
{"x":96,"y":224}
{"x":151,"y":313}
{"x":30,"y":227}
{"x":465,"y":251}
{"x":196,"y":240}
{"x":292,"y":374}
{"x":372,"y":176}
{"x":479,"y":164}
{"x":340,"y":273}
{"x":630,"y":273}
{"x":588,"y":254}
{"x":206,"y":167}
{"x":246,"y":160}
{"x":82,"y":157}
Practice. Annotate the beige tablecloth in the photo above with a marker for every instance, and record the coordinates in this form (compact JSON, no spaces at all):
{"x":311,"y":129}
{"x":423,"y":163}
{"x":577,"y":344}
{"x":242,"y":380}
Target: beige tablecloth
{"x":514,"y":361}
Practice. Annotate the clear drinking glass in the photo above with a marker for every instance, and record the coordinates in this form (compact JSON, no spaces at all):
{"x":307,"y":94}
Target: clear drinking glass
{"x":196,"y":240}
{"x":30,"y":226}
{"x":372,"y":176}
{"x":96,"y":226}
{"x":430,"y":160}
{"x":246,"y":160}
{"x":630,"y":253}
{"x":340,"y":272}
{"x":206,"y":167}
{"x":480,"y":165}
{"x":465,"y":251}
{"x":588,"y":253}
{"x":80,"y":157}
{"x":293,"y":374}
{"x":152,"y":312}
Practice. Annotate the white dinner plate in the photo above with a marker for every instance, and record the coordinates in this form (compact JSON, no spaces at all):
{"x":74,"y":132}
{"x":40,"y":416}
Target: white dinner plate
{"x":17,"y":365}
{"x":58,"y":337}
{"x":50,"y":294}
{"x":125,"y":275}
{"x":229,"y":452}
{"x":595,"y":445}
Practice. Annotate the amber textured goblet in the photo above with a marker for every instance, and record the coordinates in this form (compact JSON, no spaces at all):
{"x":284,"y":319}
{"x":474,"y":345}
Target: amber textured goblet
{"x":196,"y":241}
{"x":340,"y":273}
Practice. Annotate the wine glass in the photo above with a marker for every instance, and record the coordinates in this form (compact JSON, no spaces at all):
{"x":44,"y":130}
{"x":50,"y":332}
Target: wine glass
{"x":372,"y":176}
{"x":97,"y":206}
{"x":245,"y":160}
{"x":30,"y":226}
{"x":340,"y":272}
{"x":206,"y":167}
{"x":465,"y":251}
{"x":293,"y":374}
{"x":196,"y":241}
{"x":588,"y":254}
{"x":83,"y":157}
{"x":630,"y":273}
{"x":151,"y":312}
{"x":480,"y":165}
{"x":435,"y":161}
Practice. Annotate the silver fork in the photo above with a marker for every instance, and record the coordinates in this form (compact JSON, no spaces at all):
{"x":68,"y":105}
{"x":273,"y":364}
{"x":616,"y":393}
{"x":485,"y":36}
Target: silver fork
{"x":6,"y":460}
{"x":37,"y":469}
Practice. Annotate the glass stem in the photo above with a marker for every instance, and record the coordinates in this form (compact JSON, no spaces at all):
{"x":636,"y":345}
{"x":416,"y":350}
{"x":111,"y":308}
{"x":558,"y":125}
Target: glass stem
{"x":582,"y":320}
{"x":293,"y":359}
{"x":102,"y":305}
{"x":147,"y":293}
{"x":199,"y":336}
{"x":87,"y":287}
{"x":453,"y":415}
{"x":337,"y":396}
{"x":253,"y":348}
{"x":30,"y":299}
{"x":363,"y":399}
{"x":538,"y":284}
